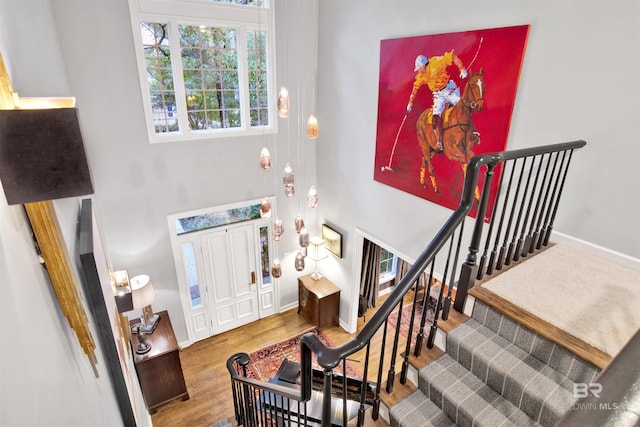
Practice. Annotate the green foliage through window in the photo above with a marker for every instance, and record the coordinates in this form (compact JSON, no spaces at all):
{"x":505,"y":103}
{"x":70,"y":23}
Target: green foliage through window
{"x":206,"y":76}
{"x":386,"y":261}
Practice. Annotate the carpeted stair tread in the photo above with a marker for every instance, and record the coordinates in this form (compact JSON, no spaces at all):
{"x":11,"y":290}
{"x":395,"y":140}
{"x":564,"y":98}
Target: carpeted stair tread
{"x":495,"y":372}
{"x":519,"y":377}
{"x":465,"y":398}
{"x":418,"y":410}
{"x":555,"y":356}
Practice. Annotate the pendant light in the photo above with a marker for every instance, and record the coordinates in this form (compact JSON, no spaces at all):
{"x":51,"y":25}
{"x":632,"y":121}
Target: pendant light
{"x":283,"y":103}
{"x":278,"y":229}
{"x":304,"y":237}
{"x":299,"y":261}
{"x":299,"y":222}
{"x":265,"y":159}
{"x":265,"y":208}
{"x":276,"y":268}
{"x":312,"y":197}
{"x":288,"y":180}
{"x":312,"y":127}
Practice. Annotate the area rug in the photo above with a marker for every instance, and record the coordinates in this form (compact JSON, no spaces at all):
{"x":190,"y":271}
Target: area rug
{"x":405,"y":319}
{"x":595,"y":300}
{"x":266,"y":361}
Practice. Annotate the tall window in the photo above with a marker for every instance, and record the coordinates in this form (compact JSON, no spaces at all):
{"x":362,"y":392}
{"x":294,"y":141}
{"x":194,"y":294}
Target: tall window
{"x":388,"y":264}
{"x":205,"y":67}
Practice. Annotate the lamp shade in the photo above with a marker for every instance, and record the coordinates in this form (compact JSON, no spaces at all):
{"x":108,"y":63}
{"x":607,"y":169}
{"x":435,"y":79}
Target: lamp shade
{"x":317,"y":250}
{"x":42,"y":156}
{"x":142,"y":290}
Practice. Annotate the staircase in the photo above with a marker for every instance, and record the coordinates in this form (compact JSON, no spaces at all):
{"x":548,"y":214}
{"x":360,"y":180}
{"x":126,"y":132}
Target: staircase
{"x":494,"y":372}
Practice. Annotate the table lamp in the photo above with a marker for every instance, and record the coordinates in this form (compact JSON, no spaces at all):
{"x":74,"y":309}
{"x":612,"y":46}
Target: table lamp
{"x":143,"y":295}
{"x":317,"y":252}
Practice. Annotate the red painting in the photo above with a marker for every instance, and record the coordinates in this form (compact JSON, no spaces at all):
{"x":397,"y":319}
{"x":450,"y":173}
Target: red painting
{"x":443,"y":99}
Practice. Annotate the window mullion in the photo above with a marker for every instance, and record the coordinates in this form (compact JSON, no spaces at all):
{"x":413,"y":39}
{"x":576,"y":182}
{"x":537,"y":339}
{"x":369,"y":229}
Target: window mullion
{"x":178,"y":77}
{"x":243,"y":77}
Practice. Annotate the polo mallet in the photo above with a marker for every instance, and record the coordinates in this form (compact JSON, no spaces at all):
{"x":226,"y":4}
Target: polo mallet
{"x":393,"y":150}
{"x":476,"y":55}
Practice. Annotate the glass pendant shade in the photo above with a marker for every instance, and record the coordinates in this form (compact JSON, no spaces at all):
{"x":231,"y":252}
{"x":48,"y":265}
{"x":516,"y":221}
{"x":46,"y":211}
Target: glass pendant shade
{"x":299,"y":261}
{"x":278,"y":229}
{"x":312,"y":197}
{"x":299,"y":223}
{"x":276,"y":268}
{"x":288,"y":180}
{"x":312,"y":127}
{"x":265,"y":208}
{"x":283,"y":102}
{"x":265,"y":159}
{"x":304,"y":237}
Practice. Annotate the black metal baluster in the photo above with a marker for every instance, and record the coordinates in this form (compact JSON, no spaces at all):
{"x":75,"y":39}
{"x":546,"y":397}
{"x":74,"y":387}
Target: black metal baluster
{"x":536,"y":234}
{"x":407,"y":353}
{"x":263,"y":415}
{"x":434,"y":325}
{"x":527,"y":248}
{"x":483,"y":259}
{"x":555,"y":208}
{"x":363,"y":391}
{"x":236,"y":400}
{"x":503,"y":249}
{"x":344,"y":390}
{"x":462,"y":294}
{"x":556,"y":186}
{"x":517,"y":253}
{"x":521,"y":248}
{"x":305,"y":413}
{"x":290,"y":413}
{"x":376,"y":398}
{"x":391,"y":377}
{"x":496,"y":242}
{"x":445,"y":309}
{"x":514,"y":236}
{"x":255,"y":402}
{"x":425,"y":309}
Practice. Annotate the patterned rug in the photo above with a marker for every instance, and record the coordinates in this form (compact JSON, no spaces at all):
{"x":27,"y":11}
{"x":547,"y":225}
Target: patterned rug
{"x":406,"y":319}
{"x":266,"y":361}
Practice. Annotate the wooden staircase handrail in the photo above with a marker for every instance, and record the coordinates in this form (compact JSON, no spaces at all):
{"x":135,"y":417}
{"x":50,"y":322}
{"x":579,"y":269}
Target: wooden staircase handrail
{"x":328,"y":357}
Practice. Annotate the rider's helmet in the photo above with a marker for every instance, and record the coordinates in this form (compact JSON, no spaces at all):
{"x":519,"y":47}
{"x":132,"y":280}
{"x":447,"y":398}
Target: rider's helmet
{"x":421,"y":61}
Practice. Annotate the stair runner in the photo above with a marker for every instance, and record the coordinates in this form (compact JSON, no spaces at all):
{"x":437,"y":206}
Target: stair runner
{"x":495,"y":372}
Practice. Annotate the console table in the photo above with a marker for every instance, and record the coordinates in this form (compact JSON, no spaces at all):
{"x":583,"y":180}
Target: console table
{"x":159,"y":370}
{"x":319,"y":301}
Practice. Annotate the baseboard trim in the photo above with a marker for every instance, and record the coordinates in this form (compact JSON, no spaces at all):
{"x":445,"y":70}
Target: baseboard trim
{"x":599,"y":251}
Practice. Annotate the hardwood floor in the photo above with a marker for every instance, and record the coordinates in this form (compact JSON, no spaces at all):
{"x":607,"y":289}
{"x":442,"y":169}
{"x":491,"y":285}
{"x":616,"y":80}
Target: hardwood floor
{"x":207,"y":379}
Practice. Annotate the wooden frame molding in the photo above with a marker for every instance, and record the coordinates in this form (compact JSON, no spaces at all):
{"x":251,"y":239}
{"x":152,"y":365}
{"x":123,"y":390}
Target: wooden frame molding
{"x":46,"y":228}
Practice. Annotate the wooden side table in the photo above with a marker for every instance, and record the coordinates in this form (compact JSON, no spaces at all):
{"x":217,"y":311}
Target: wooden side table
{"x":319,"y":301}
{"x":159,"y":370}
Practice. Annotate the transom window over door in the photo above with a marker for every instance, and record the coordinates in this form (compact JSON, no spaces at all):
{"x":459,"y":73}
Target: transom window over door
{"x":222,"y":257}
{"x":205,"y":67}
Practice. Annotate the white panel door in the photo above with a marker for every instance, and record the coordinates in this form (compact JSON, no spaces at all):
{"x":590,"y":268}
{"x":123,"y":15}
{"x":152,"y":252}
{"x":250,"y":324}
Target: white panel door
{"x":231,"y":274}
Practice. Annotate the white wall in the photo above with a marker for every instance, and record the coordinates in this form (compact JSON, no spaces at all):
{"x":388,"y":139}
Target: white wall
{"x":139,"y":184}
{"x":580,"y":80}
{"x":582,"y":58}
{"x":45,"y":377}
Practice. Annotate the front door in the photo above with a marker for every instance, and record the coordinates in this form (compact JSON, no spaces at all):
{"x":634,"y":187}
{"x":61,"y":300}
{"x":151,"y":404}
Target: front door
{"x":231,"y":273}
{"x":222,"y":257}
